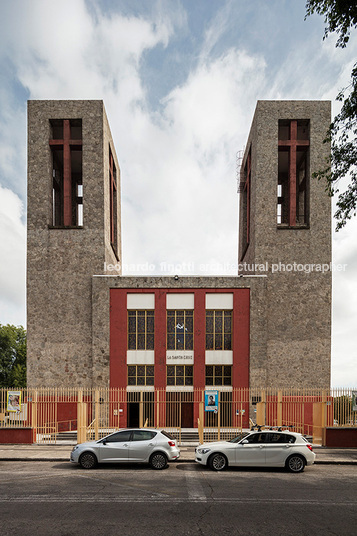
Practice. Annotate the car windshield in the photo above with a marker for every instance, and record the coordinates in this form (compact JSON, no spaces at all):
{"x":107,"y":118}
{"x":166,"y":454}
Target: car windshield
{"x":237,"y":439}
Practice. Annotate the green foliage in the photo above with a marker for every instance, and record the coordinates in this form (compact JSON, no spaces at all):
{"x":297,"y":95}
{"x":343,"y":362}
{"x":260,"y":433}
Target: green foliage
{"x":12,"y":356}
{"x":343,"y":412}
{"x":340,"y":17}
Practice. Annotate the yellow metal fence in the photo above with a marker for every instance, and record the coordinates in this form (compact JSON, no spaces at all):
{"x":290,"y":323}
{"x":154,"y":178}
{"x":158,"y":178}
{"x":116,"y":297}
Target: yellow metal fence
{"x":93,"y":413}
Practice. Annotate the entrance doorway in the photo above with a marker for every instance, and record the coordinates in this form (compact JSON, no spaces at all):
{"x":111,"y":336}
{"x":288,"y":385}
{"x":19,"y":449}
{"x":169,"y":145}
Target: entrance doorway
{"x":187,"y":415}
{"x":133,"y":414}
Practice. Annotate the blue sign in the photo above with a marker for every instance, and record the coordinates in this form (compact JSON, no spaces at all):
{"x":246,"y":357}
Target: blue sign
{"x":211,"y":401}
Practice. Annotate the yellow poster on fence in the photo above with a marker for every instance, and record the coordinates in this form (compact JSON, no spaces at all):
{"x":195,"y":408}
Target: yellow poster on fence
{"x":14,"y":401}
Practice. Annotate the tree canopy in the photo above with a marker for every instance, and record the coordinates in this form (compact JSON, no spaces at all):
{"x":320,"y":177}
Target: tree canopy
{"x":340,"y":16}
{"x":12,"y":356}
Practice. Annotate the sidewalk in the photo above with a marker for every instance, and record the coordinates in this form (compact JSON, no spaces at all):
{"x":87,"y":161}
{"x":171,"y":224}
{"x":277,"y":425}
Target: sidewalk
{"x":61,"y":453}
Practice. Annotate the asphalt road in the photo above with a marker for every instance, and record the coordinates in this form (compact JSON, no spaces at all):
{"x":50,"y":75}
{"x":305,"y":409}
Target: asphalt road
{"x":38,"y":498}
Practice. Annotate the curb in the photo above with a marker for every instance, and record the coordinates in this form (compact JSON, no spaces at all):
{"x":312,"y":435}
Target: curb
{"x":320,"y":462}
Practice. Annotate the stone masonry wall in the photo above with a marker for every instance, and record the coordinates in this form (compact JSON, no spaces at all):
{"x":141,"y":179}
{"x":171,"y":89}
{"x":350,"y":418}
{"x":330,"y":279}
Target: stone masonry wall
{"x":60,"y":262}
{"x":299,"y":303}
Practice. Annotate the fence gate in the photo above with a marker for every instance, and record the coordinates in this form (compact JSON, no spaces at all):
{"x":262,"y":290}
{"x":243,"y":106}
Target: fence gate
{"x":94,"y":413}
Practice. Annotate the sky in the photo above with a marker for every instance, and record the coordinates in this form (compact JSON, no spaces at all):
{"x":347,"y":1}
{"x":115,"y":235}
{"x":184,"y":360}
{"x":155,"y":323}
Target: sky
{"x":180,"y":80}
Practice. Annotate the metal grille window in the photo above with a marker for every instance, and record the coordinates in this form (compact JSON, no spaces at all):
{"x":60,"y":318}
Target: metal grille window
{"x":218,"y":374}
{"x":180,"y":330}
{"x":140,"y":374}
{"x":67,"y":180}
{"x":141,"y":330}
{"x":180,"y":375}
{"x":218,"y":330}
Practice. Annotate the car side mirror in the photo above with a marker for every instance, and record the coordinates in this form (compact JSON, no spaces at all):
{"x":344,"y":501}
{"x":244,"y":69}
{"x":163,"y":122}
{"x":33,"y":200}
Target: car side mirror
{"x":245,"y":442}
{"x":104,"y":442}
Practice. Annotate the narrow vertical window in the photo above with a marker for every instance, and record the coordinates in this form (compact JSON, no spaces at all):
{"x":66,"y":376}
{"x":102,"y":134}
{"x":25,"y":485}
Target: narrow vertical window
{"x":113,"y":204}
{"x":141,"y":327}
{"x":218,"y":330}
{"x":293,"y":163}
{"x":67,"y":181}
{"x":179,"y":330}
{"x":246,"y":204}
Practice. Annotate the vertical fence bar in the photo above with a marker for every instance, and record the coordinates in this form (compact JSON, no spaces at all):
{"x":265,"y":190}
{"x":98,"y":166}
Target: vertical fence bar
{"x":34,"y":413}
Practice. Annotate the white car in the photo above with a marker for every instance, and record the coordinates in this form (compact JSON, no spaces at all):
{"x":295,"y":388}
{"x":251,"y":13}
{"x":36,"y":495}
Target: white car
{"x":267,"y":448}
{"x":128,"y":446}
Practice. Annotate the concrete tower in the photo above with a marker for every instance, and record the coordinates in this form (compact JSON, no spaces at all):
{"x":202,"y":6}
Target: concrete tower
{"x":285,"y":230}
{"x":73,"y":230}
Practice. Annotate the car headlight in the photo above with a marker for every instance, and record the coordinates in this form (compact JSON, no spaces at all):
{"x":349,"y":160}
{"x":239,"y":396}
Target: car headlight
{"x":75,"y":448}
{"x":203,"y":451}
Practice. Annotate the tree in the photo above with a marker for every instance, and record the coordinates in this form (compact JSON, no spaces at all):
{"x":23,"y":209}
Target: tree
{"x":12,"y":356}
{"x":341,"y":17}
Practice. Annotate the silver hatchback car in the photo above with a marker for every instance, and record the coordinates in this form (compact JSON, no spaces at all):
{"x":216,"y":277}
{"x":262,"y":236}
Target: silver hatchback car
{"x":268,"y":448}
{"x":143,"y":445}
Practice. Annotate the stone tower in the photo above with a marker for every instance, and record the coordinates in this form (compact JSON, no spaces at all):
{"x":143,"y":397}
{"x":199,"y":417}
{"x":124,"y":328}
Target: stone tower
{"x":285,"y":231}
{"x":73,"y":232}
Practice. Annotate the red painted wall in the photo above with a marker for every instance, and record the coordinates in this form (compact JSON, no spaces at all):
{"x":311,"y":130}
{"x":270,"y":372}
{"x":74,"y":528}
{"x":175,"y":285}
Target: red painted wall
{"x":17,"y":436}
{"x":118,"y":335}
{"x":341,"y":437}
{"x":118,"y":338}
{"x":160,"y":339}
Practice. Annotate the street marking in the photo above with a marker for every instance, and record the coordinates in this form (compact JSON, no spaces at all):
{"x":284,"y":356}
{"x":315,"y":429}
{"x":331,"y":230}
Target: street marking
{"x":194,"y":486}
{"x":110,"y":499}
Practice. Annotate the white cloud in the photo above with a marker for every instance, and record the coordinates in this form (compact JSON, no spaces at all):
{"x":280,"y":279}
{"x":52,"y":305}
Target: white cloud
{"x":13,"y":258}
{"x":182,"y":173}
{"x":178,"y":162}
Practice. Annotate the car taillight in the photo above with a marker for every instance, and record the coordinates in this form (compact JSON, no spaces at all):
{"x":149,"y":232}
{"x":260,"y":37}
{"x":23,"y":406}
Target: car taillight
{"x":309,"y":447}
{"x":172,"y":443}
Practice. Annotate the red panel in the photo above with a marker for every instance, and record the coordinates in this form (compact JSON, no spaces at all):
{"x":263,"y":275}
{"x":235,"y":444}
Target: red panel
{"x":160,"y":338}
{"x":118,"y":338}
{"x":67,"y":182}
{"x":241,"y":314}
{"x":292,"y":173}
{"x":199,"y":372}
{"x":341,"y":437}
{"x":17,"y":436}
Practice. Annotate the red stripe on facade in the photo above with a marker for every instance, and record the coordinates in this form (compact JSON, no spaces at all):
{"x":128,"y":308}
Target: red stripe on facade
{"x":118,"y":338}
{"x":160,"y":338}
{"x":241,"y":329}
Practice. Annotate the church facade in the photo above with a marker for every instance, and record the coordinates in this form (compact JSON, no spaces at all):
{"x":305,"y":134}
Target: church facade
{"x":89,"y":326}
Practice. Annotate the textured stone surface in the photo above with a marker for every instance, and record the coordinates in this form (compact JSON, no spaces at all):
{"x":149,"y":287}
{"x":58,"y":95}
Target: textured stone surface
{"x":60,"y":262}
{"x":68,"y":290}
{"x":298,"y":304}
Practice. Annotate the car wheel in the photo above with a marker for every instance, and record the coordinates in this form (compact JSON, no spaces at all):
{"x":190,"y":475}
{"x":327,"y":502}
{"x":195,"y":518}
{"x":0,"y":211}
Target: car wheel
{"x":88,"y":460}
{"x":218,"y":462}
{"x":158,"y":460}
{"x":295,"y":464}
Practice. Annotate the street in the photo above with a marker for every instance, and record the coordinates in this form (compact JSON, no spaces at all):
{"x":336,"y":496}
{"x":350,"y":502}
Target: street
{"x":185,"y":499}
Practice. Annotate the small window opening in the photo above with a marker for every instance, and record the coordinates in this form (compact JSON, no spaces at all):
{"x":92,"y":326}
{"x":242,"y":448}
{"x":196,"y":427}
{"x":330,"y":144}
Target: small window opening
{"x":67,"y":183}
{"x":246,"y":205}
{"x":113,"y":204}
{"x":293,"y":173}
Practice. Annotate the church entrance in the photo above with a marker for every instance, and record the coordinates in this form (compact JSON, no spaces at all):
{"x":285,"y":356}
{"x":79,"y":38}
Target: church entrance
{"x":133,"y":414}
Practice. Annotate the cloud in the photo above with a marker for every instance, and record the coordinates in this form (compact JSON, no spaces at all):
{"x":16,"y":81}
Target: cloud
{"x":13,"y":258}
{"x":177,"y":161}
{"x":185,"y":177}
